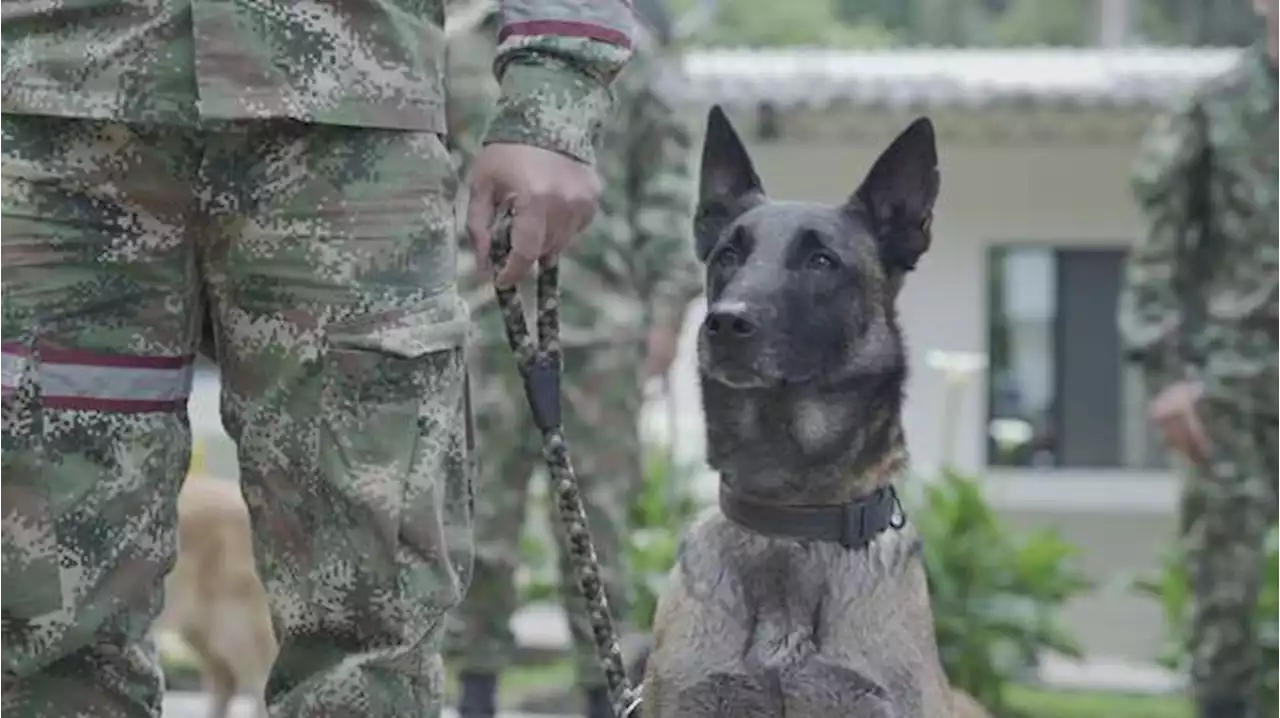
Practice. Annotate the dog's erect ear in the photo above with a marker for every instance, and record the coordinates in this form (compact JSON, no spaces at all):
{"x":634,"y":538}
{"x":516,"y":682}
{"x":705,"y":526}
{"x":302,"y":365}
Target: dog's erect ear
{"x":898,"y":195}
{"x":728,"y":185}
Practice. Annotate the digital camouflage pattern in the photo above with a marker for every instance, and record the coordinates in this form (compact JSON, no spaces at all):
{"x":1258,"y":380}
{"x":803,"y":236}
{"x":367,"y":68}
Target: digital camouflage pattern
{"x":361,"y":64}
{"x":631,"y":270}
{"x":326,"y":251}
{"x":1200,"y":303}
{"x":343,"y":379}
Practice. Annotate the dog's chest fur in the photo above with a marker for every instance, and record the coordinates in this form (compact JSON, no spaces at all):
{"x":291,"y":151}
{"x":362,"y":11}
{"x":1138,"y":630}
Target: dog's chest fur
{"x":760,"y":626}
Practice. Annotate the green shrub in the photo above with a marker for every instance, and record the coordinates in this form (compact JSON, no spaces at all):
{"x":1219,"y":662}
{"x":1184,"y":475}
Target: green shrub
{"x":995,"y":598}
{"x":658,"y":517}
{"x":1169,"y":586}
{"x":538,"y":578}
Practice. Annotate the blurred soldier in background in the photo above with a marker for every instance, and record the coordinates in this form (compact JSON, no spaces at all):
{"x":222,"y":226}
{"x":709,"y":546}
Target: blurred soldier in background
{"x":1199,"y":313}
{"x":626,"y":289}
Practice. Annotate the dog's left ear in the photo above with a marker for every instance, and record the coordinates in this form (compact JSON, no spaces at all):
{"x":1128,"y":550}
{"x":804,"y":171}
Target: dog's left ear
{"x":728,"y":186}
{"x":898,"y":193}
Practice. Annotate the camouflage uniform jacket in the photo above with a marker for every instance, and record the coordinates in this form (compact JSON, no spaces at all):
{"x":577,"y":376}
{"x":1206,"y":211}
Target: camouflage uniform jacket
{"x":377,"y":63}
{"x":1200,"y":300}
{"x":634,"y":266}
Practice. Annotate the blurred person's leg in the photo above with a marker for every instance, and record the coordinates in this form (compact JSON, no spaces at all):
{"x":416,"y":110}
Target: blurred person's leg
{"x":481,"y":643}
{"x":1225,"y":541}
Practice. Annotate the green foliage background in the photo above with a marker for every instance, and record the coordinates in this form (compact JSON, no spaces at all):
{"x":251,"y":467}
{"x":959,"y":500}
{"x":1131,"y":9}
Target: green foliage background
{"x":853,"y":24}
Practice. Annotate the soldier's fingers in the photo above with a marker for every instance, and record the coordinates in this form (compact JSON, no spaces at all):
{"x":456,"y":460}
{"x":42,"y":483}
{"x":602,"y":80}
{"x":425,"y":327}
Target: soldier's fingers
{"x":580,"y":210}
{"x":528,"y":237}
{"x":1179,"y":435}
{"x":561,"y":228}
{"x":480,"y":211}
{"x":584,"y":210}
{"x":1197,"y":437}
{"x":1172,"y":431}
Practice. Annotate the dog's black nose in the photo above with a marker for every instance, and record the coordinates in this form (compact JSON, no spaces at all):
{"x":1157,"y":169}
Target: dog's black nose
{"x":730,"y":323}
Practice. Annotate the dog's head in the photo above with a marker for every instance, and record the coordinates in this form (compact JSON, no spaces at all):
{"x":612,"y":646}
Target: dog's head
{"x":803,"y":293}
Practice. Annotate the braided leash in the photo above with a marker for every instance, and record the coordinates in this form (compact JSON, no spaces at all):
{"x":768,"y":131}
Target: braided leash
{"x":539,"y":365}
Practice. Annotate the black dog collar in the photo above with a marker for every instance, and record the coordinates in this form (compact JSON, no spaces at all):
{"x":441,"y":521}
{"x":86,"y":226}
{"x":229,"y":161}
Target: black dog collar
{"x":852,"y":525}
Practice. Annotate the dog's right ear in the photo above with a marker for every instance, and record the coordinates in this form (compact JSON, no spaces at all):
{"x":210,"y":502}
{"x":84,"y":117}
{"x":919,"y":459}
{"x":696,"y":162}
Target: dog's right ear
{"x":728,"y":186}
{"x":898,"y":195}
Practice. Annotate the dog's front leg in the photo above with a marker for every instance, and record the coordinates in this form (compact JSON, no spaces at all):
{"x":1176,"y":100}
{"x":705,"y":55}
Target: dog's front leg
{"x":701,"y":632}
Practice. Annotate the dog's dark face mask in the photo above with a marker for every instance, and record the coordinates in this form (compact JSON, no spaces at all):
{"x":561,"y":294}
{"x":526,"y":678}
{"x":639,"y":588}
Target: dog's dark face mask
{"x":802,"y":293}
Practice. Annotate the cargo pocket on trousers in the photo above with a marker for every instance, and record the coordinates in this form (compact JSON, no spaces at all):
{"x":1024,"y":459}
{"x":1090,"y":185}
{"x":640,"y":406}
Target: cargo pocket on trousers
{"x":398,"y":421}
{"x":32,"y":570}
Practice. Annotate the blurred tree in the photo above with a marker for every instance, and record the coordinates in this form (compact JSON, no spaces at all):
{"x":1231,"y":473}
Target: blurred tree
{"x":893,"y":15}
{"x":1156,"y":22}
{"x":849,"y":24}
{"x":1044,"y":22}
{"x":947,"y":22}
{"x":801,"y":23}
{"x":1199,"y":22}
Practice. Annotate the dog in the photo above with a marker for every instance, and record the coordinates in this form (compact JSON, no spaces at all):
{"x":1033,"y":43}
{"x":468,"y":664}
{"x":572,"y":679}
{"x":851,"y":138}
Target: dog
{"x":803,"y":594}
{"x":214,"y":599}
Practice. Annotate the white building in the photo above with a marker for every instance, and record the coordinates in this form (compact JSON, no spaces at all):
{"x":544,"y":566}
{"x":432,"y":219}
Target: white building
{"x":1034,"y":218}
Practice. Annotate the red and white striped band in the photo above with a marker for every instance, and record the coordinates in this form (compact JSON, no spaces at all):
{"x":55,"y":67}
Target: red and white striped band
{"x":94,"y":381}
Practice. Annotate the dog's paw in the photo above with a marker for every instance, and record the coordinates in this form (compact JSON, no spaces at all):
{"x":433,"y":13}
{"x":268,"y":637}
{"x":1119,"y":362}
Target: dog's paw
{"x":819,"y":689}
{"x":715,"y":695}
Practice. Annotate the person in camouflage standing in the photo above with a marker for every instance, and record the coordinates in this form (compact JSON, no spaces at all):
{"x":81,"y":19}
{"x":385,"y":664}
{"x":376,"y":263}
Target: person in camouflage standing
{"x":634,"y":270}
{"x":1199,"y":314}
{"x":286,"y":161}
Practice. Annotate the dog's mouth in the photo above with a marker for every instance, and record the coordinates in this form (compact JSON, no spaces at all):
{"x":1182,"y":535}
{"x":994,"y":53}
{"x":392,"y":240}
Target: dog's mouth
{"x":743,"y":377}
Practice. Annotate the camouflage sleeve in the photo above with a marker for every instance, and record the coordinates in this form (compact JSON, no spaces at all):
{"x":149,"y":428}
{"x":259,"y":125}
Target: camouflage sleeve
{"x":472,"y":93}
{"x":661,"y":208}
{"x":1167,"y":184}
{"x":556,"y":60}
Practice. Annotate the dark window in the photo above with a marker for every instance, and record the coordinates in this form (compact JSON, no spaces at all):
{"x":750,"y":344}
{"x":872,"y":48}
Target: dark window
{"x":1059,"y":394}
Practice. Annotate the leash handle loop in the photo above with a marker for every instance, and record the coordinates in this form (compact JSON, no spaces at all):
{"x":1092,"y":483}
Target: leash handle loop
{"x":539,"y":361}
{"x":540,"y":367}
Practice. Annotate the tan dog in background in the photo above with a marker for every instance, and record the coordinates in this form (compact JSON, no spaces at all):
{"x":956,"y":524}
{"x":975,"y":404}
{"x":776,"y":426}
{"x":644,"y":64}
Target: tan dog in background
{"x":214,"y":599}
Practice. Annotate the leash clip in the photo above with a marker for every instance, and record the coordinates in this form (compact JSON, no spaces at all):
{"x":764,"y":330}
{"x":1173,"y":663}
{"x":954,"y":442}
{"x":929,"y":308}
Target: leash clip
{"x":631,"y":707}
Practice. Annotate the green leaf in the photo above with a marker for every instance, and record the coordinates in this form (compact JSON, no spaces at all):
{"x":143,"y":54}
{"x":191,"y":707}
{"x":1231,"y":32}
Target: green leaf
{"x":996,"y":598}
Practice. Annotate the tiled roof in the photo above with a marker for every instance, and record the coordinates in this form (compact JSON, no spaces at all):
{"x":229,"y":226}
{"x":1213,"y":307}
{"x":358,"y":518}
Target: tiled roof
{"x":951,"y":77}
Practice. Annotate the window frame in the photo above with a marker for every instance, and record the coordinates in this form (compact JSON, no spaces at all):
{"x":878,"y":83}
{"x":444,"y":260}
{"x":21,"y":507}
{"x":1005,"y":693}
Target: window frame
{"x":1153,"y":461}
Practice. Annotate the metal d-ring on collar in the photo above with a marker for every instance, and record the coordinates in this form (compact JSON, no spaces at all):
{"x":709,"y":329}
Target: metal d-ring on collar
{"x":539,"y":364}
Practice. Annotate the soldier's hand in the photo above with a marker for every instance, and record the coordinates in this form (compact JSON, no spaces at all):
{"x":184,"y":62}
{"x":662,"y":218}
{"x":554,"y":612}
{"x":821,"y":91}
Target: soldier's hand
{"x":1174,"y":411}
{"x":552,"y":198}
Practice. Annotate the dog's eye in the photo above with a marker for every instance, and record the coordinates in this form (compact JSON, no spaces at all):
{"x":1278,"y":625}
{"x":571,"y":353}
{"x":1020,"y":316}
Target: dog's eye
{"x":727,"y":257}
{"x":823,"y":261}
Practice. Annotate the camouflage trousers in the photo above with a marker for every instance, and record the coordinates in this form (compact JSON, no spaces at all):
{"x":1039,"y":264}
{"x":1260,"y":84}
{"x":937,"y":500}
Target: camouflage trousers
{"x":1228,"y":508}
{"x":326,"y":256}
{"x":602,"y":398}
